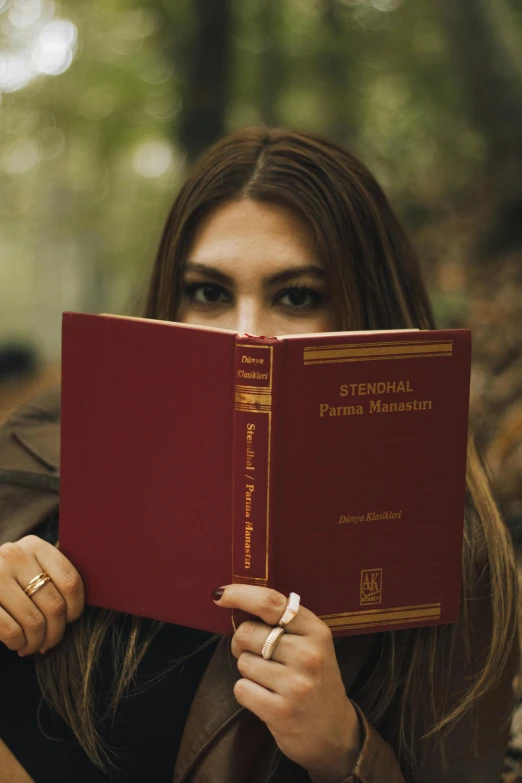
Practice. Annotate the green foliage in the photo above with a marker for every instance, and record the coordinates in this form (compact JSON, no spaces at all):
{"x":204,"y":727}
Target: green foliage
{"x":90,"y":159}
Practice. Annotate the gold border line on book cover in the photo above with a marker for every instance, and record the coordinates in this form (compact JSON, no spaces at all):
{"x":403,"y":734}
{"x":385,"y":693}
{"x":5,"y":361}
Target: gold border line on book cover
{"x":387,"y":623}
{"x":265,"y":392}
{"x":376,"y":344}
{"x":380,"y":610}
{"x":330,"y":354}
{"x":267,"y":529}
{"x":382,"y":616}
{"x":382,"y":343}
{"x":261,"y":389}
{"x":375,"y":358}
{"x":405,"y":350}
{"x":412,"y":617}
{"x":386,"y":350}
{"x":248,"y":398}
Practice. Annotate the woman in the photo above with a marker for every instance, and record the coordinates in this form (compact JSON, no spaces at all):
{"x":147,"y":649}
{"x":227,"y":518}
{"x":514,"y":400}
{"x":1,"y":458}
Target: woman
{"x":274,"y":232}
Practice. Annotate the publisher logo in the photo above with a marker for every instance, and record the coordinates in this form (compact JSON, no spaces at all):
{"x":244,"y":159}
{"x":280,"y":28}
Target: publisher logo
{"x":371,"y":586}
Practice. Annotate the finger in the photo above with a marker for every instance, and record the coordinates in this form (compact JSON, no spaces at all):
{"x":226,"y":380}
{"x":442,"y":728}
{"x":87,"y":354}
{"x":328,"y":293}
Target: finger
{"x":269,"y":605}
{"x":24,"y":612}
{"x":65,"y":577}
{"x":251,"y":636}
{"x":268,"y":706}
{"x":269,"y":674}
{"x":305,"y":655}
{"x":51,"y":604}
{"x":11,"y":634}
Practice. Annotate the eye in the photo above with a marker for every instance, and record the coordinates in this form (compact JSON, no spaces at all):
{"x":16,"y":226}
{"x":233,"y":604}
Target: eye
{"x":206,"y":293}
{"x":300,"y":298}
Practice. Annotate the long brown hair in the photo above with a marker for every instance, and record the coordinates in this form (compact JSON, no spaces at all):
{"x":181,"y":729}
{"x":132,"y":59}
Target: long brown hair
{"x":375,"y":283}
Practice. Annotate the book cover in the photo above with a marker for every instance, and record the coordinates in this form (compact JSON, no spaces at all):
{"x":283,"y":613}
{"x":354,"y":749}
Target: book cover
{"x":331,"y":465}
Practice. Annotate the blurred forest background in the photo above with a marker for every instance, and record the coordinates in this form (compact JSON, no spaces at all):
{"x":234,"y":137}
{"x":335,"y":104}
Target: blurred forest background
{"x":104,"y":104}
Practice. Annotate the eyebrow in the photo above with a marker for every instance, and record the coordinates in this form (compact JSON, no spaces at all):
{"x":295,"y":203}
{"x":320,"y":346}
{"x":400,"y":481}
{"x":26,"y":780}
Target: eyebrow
{"x":280,"y":277}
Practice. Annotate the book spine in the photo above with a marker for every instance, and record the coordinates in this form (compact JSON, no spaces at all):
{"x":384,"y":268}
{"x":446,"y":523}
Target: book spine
{"x":252,"y":459}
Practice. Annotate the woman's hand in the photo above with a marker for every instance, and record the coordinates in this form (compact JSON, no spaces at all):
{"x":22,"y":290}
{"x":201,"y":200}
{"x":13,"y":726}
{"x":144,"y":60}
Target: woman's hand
{"x":299,"y":692}
{"x":36,"y":623}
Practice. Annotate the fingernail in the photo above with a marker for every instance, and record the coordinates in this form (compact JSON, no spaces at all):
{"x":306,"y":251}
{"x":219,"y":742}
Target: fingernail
{"x":21,"y":654}
{"x":217,"y":593}
{"x":42,"y":651}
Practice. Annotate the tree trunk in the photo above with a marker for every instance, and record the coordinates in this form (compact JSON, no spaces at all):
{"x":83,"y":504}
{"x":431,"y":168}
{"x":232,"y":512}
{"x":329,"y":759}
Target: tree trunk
{"x":487,"y":52}
{"x":334,"y":68}
{"x":197,"y":39}
{"x":271,"y":62}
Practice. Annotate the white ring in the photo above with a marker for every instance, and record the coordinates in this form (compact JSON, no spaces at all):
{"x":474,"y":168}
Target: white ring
{"x":271,"y":643}
{"x":291,"y":610}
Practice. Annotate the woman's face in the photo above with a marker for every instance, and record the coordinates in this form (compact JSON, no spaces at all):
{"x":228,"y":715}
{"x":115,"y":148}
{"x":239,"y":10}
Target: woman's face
{"x":253,"y":268}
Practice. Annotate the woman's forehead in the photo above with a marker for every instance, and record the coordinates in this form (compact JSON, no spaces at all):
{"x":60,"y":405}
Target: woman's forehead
{"x":246,"y":231}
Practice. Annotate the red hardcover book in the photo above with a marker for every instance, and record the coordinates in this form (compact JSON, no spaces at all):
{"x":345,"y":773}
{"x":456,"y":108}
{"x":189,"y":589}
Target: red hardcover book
{"x":331,"y":465}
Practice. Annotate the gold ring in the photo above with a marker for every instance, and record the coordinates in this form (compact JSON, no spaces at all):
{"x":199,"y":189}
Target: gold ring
{"x":271,"y":642}
{"x":36,"y":583}
{"x":292,"y":607}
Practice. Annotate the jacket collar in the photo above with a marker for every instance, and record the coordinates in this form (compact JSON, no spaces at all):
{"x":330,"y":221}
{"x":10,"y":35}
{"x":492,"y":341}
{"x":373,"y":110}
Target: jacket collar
{"x":42,"y":441}
{"x":214,"y":708}
{"x":36,"y":426}
{"x":29,"y":466}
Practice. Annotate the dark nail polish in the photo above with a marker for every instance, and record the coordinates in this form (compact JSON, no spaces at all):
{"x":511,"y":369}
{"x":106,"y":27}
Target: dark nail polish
{"x":217,"y":593}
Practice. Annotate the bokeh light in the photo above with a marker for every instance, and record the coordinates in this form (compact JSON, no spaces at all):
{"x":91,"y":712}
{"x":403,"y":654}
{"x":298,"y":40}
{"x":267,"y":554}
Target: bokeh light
{"x":21,"y":157}
{"x":152,"y":158}
{"x":33,"y":43}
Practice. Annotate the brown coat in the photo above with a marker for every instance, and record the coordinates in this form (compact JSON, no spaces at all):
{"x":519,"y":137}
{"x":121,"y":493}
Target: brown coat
{"x":222,"y":741}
